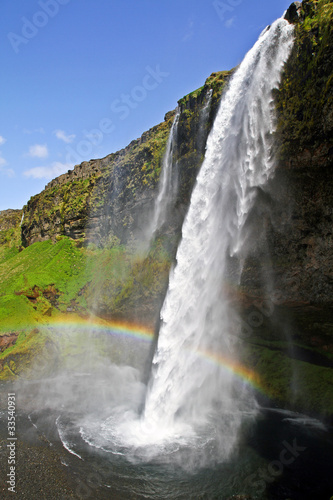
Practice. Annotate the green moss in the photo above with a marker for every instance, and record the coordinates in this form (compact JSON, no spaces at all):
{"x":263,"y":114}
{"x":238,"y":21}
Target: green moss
{"x":41,"y":264}
{"x":7,"y":374}
{"x":129,"y":172}
{"x":28,"y":281}
{"x":29,"y":351}
{"x":290,"y":382}
{"x":216,"y":82}
{"x":193,"y":95}
{"x":10,"y":234}
{"x":306,"y":95}
{"x":55,"y":207}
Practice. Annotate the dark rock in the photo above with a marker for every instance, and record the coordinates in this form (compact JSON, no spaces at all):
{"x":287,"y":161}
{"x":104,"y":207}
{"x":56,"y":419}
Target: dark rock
{"x":9,"y":221}
{"x":294,"y":13}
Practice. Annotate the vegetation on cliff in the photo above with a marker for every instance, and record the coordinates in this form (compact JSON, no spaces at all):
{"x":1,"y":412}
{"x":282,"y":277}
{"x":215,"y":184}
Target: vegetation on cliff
{"x":76,"y":254}
{"x":197,"y":113}
{"x":46,"y":280}
{"x":10,"y":233}
{"x":70,"y":205}
{"x":305,"y":98}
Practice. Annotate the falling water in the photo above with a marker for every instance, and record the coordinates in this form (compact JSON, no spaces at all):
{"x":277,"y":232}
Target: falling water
{"x":166,"y":185}
{"x":194,"y":404}
{"x":196,"y":318}
{"x":203,"y":119}
{"x":208,"y":100}
{"x":195,"y":399}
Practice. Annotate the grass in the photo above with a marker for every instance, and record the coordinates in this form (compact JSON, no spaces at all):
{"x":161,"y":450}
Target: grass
{"x":40,"y":265}
{"x":112,"y":280}
{"x":35,"y":268}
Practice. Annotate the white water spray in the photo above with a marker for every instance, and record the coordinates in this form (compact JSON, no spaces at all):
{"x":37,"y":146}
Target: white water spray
{"x":197,"y":319}
{"x":195,"y":398}
{"x":167,"y":189}
{"x":204,"y":115}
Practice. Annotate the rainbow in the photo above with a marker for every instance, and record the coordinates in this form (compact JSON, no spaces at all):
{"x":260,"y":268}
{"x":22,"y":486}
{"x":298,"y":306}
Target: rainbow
{"x":240,"y":371}
{"x":143,"y":333}
{"x":114,"y":328}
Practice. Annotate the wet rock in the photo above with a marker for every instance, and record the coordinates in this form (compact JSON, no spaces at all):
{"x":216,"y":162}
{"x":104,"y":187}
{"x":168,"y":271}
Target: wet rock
{"x":294,"y":12}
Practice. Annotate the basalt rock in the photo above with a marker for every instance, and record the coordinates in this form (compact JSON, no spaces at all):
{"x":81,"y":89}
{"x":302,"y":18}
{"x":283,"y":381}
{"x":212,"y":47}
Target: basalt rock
{"x":294,"y":12}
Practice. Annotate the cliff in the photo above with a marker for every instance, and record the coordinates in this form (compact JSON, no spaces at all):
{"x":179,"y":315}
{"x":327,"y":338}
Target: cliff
{"x":79,"y":235}
{"x":115,"y":195}
{"x":86,"y":196}
{"x":9,"y":220}
{"x":298,"y":202}
{"x":291,"y":320}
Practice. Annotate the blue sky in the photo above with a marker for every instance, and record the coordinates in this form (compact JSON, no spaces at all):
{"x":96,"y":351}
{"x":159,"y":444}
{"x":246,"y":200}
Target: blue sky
{"x":82,"y":78}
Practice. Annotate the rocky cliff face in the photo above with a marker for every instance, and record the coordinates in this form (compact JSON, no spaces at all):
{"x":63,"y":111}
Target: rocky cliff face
{"x":302,"y":216}
{"x":103,"y":197}
{"x":287,"y":281}
{"x":9,"y":219}
{"x":114,"y":196}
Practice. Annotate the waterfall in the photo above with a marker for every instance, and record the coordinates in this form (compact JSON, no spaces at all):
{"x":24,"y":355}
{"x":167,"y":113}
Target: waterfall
{"x":167,"y":188}
{"x":204,"y":115}
{"x":197,"y":320}
{"x":208,"y":100}
{"x":198,"y":394}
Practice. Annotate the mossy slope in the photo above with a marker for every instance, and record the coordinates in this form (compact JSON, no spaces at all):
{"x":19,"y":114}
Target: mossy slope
{"x":305,"y":98}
